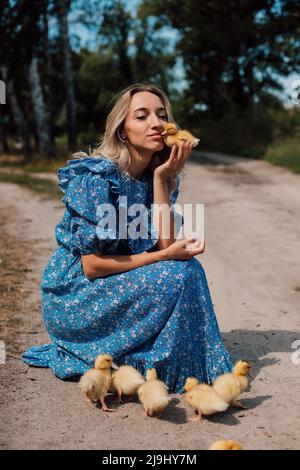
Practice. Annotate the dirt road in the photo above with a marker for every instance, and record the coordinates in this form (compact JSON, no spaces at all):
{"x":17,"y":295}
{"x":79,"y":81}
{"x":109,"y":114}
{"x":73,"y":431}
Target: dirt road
{"x":252,"y":262}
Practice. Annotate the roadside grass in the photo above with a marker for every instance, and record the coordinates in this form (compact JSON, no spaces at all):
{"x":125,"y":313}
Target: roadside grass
{"x":45,"y":188}
{"x":285,"y":153}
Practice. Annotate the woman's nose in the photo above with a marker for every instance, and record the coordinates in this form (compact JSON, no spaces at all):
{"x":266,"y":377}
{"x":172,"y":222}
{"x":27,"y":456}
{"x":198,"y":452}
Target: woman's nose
{"x":156,"y":122}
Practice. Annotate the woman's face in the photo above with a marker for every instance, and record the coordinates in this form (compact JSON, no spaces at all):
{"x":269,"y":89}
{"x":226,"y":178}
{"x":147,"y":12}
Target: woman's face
{"x":145,"y":122}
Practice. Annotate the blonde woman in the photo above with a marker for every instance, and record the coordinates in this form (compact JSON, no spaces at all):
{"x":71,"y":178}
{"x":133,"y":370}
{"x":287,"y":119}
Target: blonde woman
{"x":143,"y":299}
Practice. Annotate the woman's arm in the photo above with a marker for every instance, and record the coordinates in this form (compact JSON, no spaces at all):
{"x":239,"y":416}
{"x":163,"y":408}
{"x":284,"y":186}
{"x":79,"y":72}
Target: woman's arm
{"x":163,"y":218}
{"x":99,"y":265}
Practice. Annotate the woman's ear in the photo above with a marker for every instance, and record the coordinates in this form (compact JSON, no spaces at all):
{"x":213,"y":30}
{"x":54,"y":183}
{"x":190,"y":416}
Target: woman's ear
{"x":122,"y":136}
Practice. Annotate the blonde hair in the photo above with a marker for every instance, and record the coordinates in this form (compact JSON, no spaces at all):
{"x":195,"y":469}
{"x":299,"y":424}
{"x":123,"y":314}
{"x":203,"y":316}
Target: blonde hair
{"x":113,"y":147}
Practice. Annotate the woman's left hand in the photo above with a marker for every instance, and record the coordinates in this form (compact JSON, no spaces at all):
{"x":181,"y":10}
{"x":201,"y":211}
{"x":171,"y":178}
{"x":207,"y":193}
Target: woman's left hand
{"x":176,"y":160}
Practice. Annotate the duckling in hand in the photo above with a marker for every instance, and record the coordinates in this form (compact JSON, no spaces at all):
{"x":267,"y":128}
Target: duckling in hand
{"x":229,"y":386}
{"x":95,"y":382}
{"x":203,"y":399}
{"x":226,"y":445}
{"x":126,"y":380}
{"x":172,"y":135}
{"x":153,"y":394}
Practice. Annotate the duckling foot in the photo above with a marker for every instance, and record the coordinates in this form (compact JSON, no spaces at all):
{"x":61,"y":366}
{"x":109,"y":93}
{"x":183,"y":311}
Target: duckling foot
{"x":104,"y":407}
{"x":147,"y":413}
{"x":118,"y":399}
{"x":127,"y":399}
{"x":238,"y":404}
{"x":195,"y":418}
{"x":198,"y":416}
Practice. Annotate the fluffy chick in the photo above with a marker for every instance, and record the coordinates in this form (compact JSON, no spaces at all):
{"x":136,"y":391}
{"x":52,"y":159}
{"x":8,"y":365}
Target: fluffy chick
{"x":203,"y":399}
{"x":153,"y":394}
{"x":172,"y":135}
{"x":95,"y":382}
{"x":229,"y":386}
{"x":126,"y":380}
{"x":226,"y":445}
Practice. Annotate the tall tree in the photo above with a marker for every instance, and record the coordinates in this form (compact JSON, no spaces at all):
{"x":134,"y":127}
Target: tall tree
{"x":153,"y":58}
{"x":3,"y":141}
{"x":62,"y":8}
{"x":40,"y":110}
{"x":234,"y":52}
{"x":20,"y":33}
{"x":116,"y":26}
{"x":17,"y":114}
{"x":48,"y":70}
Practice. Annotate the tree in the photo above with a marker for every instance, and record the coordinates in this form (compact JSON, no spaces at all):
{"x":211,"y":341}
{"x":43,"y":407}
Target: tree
{"x":234,"y":52}
{"x":20,"y":33}
{"x":40,"y":110}
{"x":62,"y":8}
{"x":115,"y":28}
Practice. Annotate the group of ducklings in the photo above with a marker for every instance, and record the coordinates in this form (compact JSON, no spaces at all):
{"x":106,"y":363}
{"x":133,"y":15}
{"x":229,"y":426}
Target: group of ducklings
{"x":124,"y":380}
{"x":153,"y":393}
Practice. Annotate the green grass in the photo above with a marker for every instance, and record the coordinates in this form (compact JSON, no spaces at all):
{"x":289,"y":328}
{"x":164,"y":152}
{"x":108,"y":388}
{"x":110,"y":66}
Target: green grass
{"x":35,"y":165}
{"x":285,"y":153}
{"x":45,"y":188}
{"x":47,"y":166}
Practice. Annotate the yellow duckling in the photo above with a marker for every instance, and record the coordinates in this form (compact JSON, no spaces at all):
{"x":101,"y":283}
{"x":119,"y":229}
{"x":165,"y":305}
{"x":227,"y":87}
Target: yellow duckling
{"x":95,"y":382}
{"x":153,"y":394}
{"x":126,"y":380}
{"x":172,"y":135}
{"x":226,"y":445}
{"x":203,"y":399}
{"x":229,"y":386}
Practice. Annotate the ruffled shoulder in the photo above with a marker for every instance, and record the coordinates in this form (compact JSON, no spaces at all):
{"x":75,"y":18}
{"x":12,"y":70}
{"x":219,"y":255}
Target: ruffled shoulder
{"x":86,"y":165}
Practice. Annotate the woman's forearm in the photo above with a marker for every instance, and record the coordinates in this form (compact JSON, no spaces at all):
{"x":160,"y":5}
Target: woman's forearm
{"x":99,"y":265}
{"x":163,"y":218}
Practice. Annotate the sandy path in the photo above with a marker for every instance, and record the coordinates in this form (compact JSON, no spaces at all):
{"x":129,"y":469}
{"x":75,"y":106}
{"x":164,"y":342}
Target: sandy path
{"x":252,"y":256}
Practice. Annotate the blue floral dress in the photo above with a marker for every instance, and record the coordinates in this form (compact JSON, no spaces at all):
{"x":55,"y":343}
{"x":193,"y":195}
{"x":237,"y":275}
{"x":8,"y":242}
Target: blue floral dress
{"x":159,"y":315}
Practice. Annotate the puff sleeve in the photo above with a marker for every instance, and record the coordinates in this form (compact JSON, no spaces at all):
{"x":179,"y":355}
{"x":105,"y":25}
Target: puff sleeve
{"x":87,"y":199}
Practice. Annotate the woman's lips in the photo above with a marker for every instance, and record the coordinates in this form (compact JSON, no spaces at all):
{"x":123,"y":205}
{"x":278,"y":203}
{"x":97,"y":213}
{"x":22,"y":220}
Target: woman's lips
{"x":155,"y":136}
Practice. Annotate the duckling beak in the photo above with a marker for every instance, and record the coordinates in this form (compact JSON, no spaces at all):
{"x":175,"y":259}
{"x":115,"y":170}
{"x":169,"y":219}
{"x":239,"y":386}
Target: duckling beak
{"x":114,"y":366}
{"x":163,"y":134}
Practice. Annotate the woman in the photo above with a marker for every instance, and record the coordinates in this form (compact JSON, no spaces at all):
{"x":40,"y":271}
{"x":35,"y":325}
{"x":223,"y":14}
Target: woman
{"x":143,"y":300}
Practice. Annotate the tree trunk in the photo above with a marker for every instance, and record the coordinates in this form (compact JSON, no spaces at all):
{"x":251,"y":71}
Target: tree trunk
{"x":3,"y":142}
{"x":46,"y":146}
{"x":48,"y":82}
{"x":17,"y":113}
{"x":62,"y":14}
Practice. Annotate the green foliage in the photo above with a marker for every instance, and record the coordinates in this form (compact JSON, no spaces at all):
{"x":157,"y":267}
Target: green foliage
{"x":233,"y":54}
{"x":245,"y":135}
{"x":286,"y":153}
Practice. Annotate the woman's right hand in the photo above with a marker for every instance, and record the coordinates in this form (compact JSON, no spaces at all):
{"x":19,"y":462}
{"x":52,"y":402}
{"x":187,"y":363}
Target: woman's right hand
{"x":178,"y":249}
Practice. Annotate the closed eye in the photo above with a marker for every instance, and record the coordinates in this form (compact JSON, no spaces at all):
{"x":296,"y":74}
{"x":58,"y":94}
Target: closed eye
{"x":160,"y":117}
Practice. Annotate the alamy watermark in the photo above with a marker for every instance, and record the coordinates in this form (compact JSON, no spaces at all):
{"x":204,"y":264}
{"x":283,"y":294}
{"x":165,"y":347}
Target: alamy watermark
{"x":2,"y":352}
{"x":296,"y":354}
{"x":188,"y":220}
{"x":2,"y":92}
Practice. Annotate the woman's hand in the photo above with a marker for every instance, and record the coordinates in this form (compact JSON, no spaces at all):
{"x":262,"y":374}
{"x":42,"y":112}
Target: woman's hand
{"x":175,"y":162}
{"x":178,"y":249}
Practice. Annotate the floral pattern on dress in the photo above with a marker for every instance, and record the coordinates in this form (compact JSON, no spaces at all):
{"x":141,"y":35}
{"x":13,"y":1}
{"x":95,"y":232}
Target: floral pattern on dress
{"x":159,"y":315}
